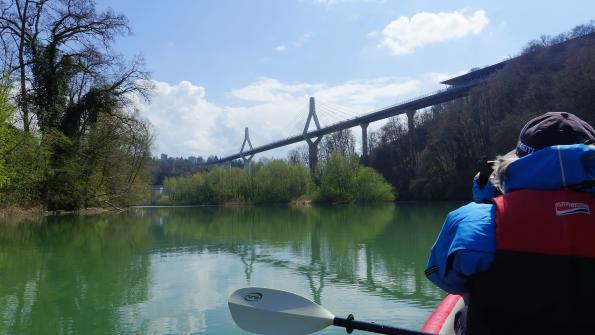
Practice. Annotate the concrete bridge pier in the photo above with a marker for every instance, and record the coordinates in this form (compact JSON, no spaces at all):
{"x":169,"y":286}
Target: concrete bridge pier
{"x":411,"y":133}
{"x":312,"y":155}
{"x":364,"y":143}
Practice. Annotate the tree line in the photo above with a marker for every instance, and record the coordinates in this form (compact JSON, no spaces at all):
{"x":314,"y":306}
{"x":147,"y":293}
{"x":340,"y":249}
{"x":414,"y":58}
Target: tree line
{"x":342,"y":179}
{"x":163,"y":167}
{"x":71,"y":136}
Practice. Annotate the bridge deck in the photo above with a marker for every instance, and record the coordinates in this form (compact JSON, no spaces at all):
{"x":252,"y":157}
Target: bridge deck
{"x":460,"y":86}
{"x":453,"y":92}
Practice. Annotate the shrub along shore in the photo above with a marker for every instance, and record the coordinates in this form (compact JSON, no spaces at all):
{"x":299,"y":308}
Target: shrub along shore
{"x":341,"y":180}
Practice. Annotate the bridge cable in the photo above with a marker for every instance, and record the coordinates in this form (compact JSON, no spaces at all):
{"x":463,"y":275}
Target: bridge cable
{"x":343,"y":115}
{"x":337,"y":117}
{"x":341,"y":110}
{"x":328,"y":116}
{"x":290,"y":127}
{"x":340,"y":117}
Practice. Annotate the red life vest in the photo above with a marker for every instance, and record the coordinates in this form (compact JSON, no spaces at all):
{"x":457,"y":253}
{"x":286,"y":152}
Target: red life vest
{"x":542,"y":280}
{"x":546,"y":222}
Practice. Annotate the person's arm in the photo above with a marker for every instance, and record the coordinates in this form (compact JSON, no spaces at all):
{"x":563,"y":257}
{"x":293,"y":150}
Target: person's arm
{"x":483,"y":189}
{"x":461,"y":265}
{"x":485,"y":171}
{"x":464,"y":247}
{"x":485,"y":193}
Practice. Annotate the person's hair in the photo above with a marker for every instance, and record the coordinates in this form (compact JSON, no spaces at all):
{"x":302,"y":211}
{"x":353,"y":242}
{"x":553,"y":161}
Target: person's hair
{"x":500,"y":166}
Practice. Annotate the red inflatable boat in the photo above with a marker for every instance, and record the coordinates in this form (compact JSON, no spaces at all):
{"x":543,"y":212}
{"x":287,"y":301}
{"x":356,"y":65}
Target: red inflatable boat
{"x":442,"y":320}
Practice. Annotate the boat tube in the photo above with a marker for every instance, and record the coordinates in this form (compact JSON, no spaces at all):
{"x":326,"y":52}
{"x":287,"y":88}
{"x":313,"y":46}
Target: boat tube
{"x":443,"y":319}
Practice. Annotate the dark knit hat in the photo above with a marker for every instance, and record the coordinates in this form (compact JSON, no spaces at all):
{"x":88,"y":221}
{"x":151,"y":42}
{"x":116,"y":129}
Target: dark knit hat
{"x":553,"y":128}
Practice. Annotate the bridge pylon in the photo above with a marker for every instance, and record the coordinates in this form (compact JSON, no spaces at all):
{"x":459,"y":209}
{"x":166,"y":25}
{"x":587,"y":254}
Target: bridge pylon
{"x":312,"y":145}
{"x":246,"y":140}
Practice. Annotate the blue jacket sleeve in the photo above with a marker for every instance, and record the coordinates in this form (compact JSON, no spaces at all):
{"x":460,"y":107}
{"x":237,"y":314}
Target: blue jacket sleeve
{"x":464,"y":247}
{"x":483,"y":194}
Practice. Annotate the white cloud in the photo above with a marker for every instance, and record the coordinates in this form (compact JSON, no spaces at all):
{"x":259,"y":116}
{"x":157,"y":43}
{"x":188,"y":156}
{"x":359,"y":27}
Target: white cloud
{"x":187,"y":124}
{"x":301,"y":40}
{"x":367,"y":93}
{"x":271,"y":90}
{"x":404,"y":35}
{"x":298,"y":43}
{"x":181,"y":118}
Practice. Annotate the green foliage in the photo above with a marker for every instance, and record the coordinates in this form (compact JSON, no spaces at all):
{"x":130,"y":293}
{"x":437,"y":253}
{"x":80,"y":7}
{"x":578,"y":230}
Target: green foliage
{"x":225,"y":185}
{"x":110,"y":164}
{"x":270,"y":182}
{"x":22,"y":160}
{"x":277,"y":181}
{"x":217,"y":186}
{"x":343,"y":179}
{"x":337,"y":178}
{"x":7,"y":110}
{"x":89,"y":145}
{"x":27,"y":166}
{"x":371,"y":186}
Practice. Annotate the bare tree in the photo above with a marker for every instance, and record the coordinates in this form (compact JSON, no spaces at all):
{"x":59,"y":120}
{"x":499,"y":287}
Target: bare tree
{"x":299,"y":155}
{"x":19,"y":27}
{"x":341,"y":141}
{"x":64,"y":61}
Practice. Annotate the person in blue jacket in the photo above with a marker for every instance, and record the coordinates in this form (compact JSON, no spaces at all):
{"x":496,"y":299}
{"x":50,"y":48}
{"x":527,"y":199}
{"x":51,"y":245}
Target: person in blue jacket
{"x":554,"y":153}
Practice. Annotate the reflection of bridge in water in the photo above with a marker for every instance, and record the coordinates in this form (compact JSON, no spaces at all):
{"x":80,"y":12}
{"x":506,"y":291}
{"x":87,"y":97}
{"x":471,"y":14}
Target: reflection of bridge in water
{"x":318,"y":274}
{"x":311,"y":248}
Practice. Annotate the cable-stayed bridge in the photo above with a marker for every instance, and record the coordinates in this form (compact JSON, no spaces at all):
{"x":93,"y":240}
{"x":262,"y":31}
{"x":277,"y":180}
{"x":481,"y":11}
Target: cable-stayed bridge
{"x":457,"y":87}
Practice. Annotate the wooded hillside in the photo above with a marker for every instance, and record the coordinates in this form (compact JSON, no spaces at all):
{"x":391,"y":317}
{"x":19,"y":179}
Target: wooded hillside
{"x":551,"y":74}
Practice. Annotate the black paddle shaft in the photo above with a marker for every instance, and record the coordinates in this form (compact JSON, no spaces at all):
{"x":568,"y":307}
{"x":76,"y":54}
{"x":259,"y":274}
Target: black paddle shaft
{"x":350,"y":324}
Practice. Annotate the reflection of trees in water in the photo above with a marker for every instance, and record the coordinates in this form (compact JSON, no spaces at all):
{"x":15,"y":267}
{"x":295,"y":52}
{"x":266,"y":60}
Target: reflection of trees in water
{"x":380,"y":249}
{"x":71,"y":277}
{"x":402,"y":252}
{"x":73,"y":274}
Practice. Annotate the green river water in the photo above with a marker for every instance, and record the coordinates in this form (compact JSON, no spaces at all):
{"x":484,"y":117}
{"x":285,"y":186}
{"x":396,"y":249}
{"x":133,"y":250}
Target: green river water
{"x":171,"y":270}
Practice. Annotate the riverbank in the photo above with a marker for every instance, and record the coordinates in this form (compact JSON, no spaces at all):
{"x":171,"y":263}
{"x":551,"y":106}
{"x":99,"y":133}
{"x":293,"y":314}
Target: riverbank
{"x":19,"y":214}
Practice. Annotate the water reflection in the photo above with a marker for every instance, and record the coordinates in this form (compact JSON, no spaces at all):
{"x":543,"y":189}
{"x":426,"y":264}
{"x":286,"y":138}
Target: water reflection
{"x":170,"y":270}
{"x":66,"y":277}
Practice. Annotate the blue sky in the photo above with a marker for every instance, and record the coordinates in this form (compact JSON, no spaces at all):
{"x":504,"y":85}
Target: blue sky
{"x":222,"y":65}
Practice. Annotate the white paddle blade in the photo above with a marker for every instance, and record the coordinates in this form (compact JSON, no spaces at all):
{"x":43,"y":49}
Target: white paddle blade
{"x":266,"y":311}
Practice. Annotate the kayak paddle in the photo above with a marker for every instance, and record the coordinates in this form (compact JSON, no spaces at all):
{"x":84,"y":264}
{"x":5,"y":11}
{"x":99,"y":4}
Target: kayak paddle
{"x":267,"y":311}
